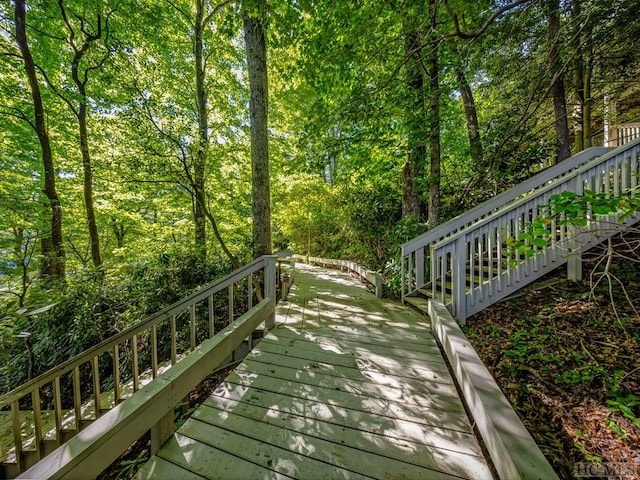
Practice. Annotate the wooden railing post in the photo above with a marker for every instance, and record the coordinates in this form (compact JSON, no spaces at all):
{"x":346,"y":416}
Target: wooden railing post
{"x":162,"y":431}
{"x":574,"y":259}
{"x":459,"y":281}
{"x":420,"y":267}
{"x":270,"y":286}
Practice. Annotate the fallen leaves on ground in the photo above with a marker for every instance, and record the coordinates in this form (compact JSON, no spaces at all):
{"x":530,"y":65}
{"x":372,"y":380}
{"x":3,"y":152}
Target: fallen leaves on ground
{"x":568,"y":359}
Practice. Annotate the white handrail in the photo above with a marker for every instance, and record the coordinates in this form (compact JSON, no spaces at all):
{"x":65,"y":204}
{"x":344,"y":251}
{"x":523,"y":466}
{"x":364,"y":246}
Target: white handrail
{"x":465,"y":259}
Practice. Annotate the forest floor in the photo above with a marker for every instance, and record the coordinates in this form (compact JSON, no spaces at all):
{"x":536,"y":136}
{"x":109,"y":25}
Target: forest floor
{"x":567,"y":356}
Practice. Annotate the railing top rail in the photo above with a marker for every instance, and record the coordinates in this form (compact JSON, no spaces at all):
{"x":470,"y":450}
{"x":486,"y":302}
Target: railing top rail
{"x":626,"y":125}
{"x":540,"y":191}
{"x":118,"y":338}
{"x":492,"y":204}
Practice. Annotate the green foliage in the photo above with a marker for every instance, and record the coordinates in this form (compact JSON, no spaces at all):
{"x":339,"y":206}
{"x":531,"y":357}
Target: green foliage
{"x":91,"y":309}
{"x":569,"y":208}
{"x":404,"y":230}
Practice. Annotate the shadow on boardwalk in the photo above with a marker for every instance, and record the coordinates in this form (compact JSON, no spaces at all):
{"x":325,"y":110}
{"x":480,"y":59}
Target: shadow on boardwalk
{"x":346,"y":386}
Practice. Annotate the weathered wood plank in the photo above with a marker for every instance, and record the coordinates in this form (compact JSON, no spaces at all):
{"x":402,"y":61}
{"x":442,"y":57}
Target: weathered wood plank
{"x":347,"y":373}
{"x":338,"y":454}
{"x":397,"y":335}
{"x":426,"y":345}
{"x":275,"y":452}
{"x":203,"y":460}
{"x":429,"y":451}
{"x":353,"y":345}
{"x":160,"y":469}
{"x":368,"y":362}
{"x":385,"y":425}
{"x":415,"y":392}
{"x":452,"y":416}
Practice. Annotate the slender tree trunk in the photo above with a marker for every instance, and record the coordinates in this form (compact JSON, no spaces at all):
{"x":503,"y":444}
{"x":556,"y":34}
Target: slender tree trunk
{"x":578,"y":80}
{"x":434,"y":123}
{"x":563,"y":149}
{"x":578,"y":111}
{"x":119,"y":232}
{"x":416,"y":147}
{"x":94,"y":238}
{"x":53,"y":264}
{"x":588,"y":101}
{"x":471,"y":116}
{"x":254,"y":35}
{"x":81,"y":113}
{"x":200,"y":160}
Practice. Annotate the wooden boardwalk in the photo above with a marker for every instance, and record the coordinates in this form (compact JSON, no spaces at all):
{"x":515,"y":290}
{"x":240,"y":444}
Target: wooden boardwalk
{"x":346,"y":386}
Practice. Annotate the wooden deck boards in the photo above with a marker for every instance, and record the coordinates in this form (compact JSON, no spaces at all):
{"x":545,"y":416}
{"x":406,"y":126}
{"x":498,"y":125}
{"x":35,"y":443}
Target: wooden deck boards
{"x":346,"y":386}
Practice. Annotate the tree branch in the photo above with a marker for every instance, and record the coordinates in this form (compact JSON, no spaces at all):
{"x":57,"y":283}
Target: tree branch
{"x":216,"y":9}
{"x":17,"y":113}
{"x":469,"y":35}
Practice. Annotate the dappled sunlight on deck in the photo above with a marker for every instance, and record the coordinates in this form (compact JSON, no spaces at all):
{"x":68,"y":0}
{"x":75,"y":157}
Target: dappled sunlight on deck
{"x":346,"y":386}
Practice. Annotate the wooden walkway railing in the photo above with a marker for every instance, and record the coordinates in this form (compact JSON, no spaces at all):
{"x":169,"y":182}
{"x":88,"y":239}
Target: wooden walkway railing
{"x":464,"y":263}
{"x":619,"y":135}
{"x":366,"y":275}
{"x":126,"y":357}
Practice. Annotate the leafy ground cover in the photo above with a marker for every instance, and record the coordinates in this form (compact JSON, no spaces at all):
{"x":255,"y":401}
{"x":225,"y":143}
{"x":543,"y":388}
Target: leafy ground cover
{"x":567,"y":356}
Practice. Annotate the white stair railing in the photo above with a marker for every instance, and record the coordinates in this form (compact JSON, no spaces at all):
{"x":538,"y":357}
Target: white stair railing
{"x":464,"y":262}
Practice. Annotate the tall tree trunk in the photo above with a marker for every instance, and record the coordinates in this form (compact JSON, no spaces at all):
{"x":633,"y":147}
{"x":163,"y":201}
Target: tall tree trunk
{"x":254,"y":15}
{"x":471,"y":116}
{"x":563,"y":149}
{"x":53,"y":264}
{"x":588,"y":101}
{"x":578,"y":111}
{"x":81,"y":112}
{"x":200,"y":160}
{"x":416,"y":146}
{"x":94,"y":238}
{"x":434,"y":122}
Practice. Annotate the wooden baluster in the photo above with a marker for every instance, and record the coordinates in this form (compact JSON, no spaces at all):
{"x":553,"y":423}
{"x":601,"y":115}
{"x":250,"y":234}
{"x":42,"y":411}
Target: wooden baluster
{"x":270,"y":288}
{"x":212,"y":318}
{"x":250,"y":291}
{"x":433,"y":261}
{"x":402,"y":279}
{"x":57,"y":402}
{"x":485,"y":256}
{"x":616,"y":179}
{"x":96,"y":384}
{"x":420,"y":267}
{"x":116,"y":375}
{"x":154,"y":350}
{"x":77,"y":399}
{"x":625,"y":166}
{"x":17,"y":434}
{"x":174,"y":346}
{"x":635,"y":158}
{"x":37,"y":421}
{"x":499,"y":258}
{"x":192,"y":314}
{"x":443,"y":277}
{"x":230,"y":293}
{"x":475,"y":262}
{"x":134,"y":363}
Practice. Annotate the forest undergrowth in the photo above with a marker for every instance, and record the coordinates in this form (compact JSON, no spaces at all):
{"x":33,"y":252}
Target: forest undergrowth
{"x":567,"y":356}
